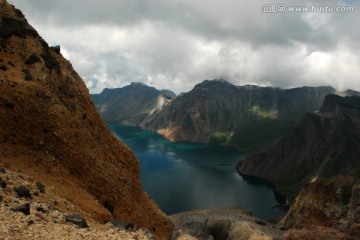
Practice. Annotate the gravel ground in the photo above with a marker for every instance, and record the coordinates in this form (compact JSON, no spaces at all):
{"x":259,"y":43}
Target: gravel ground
{"x":45,"y":220}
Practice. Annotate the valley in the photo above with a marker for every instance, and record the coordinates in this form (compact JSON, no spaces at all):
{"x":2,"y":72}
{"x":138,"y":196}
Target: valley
{"x":141,"y":163}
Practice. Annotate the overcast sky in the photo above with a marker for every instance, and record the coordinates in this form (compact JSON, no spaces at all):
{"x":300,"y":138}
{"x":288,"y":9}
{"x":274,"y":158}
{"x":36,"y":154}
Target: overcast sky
{"x":174,"y":44}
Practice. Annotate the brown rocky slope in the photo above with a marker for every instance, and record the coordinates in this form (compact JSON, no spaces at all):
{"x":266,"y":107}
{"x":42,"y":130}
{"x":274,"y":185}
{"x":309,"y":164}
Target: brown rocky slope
{"x":37,"y":212}
{"x":50,"y":130}
{"x":325,"y":209}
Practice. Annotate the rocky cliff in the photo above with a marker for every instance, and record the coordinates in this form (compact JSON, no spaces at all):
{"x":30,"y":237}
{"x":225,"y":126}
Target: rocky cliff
{"x":325,"y":209}
{"x":131,"y":104}
{"x":51,"y":131}
{"x":325,"y":144}
{"x":220,"y":112}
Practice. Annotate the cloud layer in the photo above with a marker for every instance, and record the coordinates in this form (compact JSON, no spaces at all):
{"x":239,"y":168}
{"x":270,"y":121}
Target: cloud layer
{"x":175,"y":44}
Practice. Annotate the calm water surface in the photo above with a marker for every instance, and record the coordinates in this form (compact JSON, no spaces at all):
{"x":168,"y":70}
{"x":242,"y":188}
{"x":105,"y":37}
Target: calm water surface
{"x":187,"y":176}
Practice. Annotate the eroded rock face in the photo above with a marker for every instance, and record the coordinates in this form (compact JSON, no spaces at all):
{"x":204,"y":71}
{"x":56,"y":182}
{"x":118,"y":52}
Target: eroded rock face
{"x":326,"y":207}
{"x":50,"y":129}
{"x":325,"y":144}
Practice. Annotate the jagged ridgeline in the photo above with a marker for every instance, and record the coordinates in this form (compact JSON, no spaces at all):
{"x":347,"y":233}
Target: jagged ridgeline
{"x":248,"y":117}
{"x":50,"y":130}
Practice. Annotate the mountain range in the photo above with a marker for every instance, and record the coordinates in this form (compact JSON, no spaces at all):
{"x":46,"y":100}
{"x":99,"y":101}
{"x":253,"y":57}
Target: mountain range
{"x":58,"y":156}
{"x":247,"y":117}
{"x":296,"y":135}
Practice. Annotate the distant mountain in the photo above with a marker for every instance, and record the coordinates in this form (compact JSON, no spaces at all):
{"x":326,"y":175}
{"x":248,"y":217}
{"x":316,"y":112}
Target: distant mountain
{"x":325,"y":144}
{"x":350,"y":92}
{"x":216,"y":111}
{"x":248,"y":117}
{"x":131,"y":104}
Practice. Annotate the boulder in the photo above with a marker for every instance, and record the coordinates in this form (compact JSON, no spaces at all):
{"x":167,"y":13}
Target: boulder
{"x":77,"y":220}
{"x":2,"y":183}
{"x":22,"y":191}
{"x":24,"y":208}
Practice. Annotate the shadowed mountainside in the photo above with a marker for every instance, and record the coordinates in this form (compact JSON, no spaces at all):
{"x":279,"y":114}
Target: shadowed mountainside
{"x":50,"y":130}
{"x":325,"y":144}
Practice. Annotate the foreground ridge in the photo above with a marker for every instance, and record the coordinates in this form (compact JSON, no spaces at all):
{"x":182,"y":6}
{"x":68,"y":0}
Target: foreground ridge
{"x":50,"y":130}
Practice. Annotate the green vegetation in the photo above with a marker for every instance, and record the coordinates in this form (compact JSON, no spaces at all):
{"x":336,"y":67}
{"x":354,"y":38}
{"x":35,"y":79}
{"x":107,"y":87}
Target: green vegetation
{"x":258,"y":134}
{"x":263,"y":113}
{"x":220,"y":137}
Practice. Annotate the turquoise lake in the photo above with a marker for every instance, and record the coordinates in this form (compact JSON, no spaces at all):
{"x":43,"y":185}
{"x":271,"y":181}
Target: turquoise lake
{"x":186,"y":176}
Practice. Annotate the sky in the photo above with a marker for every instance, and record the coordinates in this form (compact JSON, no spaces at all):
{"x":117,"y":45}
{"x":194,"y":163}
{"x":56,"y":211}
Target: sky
{"x":175,"y":44}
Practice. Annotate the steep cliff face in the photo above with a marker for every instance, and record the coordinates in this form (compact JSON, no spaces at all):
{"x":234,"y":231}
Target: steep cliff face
{"x":131,"y":104}
{"x":50,"y":130}
{"x":323,"y":145}
{"x":325,"y":209}
{"x":216,"y":110}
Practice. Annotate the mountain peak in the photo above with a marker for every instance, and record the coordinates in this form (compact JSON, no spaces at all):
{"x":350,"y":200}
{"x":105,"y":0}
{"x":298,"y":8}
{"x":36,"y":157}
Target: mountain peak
{"x":213,"y":84}
{"x":138,"y":84}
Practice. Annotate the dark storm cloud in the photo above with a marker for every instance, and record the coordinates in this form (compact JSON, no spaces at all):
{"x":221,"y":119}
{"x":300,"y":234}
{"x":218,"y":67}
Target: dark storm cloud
{"x":177,"y":43}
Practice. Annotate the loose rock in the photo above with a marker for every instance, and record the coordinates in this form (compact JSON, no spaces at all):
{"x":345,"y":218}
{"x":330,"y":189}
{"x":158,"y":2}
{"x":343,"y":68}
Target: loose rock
{"x":122,"y":225}
{"x":41,"y":187}
{"x":2,"y":183}
{"x":22,"y":191}
{"x":24,"y":208}
{"x":77,"y":220}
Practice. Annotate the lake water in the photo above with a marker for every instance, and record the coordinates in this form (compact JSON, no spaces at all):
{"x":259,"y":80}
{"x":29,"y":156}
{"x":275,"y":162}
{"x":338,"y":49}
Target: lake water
{"x":186,"y":176}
